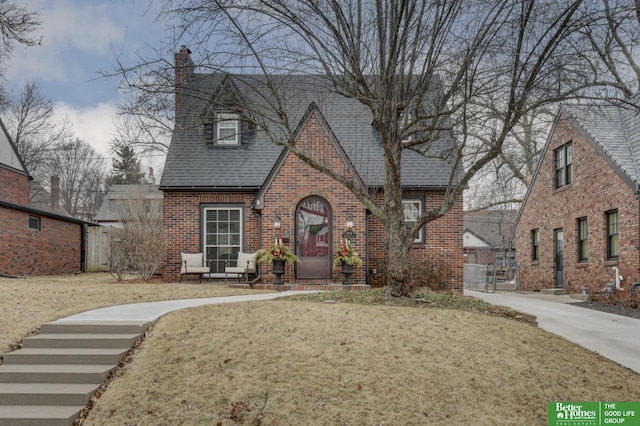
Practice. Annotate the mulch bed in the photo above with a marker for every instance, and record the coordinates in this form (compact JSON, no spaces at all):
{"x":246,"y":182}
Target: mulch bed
{"x":616,"y":308}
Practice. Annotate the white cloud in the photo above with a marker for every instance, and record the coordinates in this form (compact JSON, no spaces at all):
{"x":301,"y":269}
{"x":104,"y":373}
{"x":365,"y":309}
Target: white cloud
{"x":70,"y":30}
{"x":94,"y":125}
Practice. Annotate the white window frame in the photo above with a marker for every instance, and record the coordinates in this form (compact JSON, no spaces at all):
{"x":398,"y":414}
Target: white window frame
{"x":410,"y":217}
{"x":228,"y":121}
{"x":220,"y":243}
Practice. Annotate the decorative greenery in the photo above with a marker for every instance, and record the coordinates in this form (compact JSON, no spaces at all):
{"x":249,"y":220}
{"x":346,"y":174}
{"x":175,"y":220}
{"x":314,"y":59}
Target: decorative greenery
{"x":276,"y":251}
{"x":347,"y":255}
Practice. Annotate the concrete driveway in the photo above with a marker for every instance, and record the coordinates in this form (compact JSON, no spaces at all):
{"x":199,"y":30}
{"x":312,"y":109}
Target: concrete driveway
{"x":612,"y":336}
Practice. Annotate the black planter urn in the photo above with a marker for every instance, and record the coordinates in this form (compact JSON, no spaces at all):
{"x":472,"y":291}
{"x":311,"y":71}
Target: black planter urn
{"x":347,"y":270}
{"x":278,"y":270}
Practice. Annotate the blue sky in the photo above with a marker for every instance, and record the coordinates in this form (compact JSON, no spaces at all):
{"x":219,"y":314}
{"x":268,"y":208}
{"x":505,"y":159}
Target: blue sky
{"x":80,"y":38}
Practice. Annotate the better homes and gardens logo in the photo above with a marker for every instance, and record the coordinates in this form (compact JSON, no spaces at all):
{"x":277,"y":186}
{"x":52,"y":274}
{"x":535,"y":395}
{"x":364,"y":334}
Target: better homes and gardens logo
{"x":593,"y":413}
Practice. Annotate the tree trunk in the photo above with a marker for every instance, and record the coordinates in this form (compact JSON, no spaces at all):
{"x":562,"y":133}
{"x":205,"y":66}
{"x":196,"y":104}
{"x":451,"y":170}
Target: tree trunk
{"x":397,"y":248}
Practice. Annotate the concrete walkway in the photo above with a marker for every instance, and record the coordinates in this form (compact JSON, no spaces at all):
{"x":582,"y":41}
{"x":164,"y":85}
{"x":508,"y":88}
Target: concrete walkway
{"x":150,"y":311}
{"x":612,"y":336}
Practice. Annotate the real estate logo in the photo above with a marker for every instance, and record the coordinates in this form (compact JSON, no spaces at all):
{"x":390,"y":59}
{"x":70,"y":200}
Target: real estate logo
{"x":593,"y":413}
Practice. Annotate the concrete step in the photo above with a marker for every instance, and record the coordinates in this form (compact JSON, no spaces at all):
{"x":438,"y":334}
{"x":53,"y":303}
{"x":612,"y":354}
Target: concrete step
{"x":65,"y":356}
{"x":80,"y":340}
{"x":553,"y":291}
{"x":27,"y":394}
{"x":61,"y":373}
{"x":38,"y":415}
{"x":91,"y":327}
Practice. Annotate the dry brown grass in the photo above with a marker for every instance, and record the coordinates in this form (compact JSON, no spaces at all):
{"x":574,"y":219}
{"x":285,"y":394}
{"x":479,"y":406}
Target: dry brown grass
{"x":28,"y":303}
{"x":293,"y":362}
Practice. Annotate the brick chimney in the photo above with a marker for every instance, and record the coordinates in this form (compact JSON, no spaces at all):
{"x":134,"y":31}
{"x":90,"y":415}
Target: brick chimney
{"x":184,"y":68}
{"x":55,"y":193}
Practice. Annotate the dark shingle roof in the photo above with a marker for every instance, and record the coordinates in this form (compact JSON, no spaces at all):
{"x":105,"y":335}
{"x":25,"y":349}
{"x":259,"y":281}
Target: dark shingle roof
{"x":191,"y":164}
{"x":495,"y":227}
{"x":615,"y":129}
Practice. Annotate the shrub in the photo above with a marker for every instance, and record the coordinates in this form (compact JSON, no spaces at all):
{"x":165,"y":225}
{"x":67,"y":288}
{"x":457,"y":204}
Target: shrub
{"x":433,"y":275}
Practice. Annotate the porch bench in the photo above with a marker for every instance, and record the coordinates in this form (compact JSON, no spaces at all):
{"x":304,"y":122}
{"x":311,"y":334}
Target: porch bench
{"x":193,"y":263}
{"x":245,"y":265}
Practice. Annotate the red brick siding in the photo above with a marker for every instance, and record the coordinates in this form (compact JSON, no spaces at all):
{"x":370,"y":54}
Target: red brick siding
{"x":14,"y":187}
{"x":182,"y":219}
{"x":294,"y":182}
{"x":54,"y":249}
{"x":595,"y":189}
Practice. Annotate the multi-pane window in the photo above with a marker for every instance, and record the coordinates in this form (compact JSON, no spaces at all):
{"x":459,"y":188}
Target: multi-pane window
{"x":412,"y":211}
{"x":222,"y":236}
{"x":583,"y":240}
{"x":613,"y":245}
{"x":228,"y":129}
{"x":563,"y":160}
{"x":535,"y":244}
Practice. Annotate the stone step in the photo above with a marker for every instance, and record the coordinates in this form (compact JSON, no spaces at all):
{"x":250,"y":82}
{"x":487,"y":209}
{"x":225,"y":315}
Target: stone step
{"x":38,"y":415}
{"x":91,"y":327}
{"x":60,"y":373}
{"x":27,"y":394}
{"x":65,"y":356}
{"x":80,"y":340}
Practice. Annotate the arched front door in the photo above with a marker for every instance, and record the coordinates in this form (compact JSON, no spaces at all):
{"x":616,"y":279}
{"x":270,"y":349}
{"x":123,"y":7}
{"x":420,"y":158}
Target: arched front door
{"x":313,"y":238}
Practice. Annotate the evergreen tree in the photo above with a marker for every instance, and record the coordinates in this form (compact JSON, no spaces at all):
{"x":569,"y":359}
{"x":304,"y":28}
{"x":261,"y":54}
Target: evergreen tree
{"x":125,"y":167}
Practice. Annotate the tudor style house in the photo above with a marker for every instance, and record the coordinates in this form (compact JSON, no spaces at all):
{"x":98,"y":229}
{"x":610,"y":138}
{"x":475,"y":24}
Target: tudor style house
{"x":579,"y":224}
{"x":225,"y":183}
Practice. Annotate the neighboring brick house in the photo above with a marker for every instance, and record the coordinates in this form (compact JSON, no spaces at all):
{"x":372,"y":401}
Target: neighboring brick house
{"x":225,"y":182}
{"x":579,"y":219}
{"x":489,"y":237}
{"x":33,"y":240}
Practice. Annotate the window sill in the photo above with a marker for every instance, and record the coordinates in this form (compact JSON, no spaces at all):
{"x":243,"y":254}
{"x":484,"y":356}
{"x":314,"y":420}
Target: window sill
{"x":535,"y":263}
{"x":563,"y":188}
{"x":582,"y":265}
{"x":611,"y":262}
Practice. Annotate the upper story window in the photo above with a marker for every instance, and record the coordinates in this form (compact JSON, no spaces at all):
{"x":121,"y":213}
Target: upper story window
{"x":613,"y":245}
{"x":535,"y":245}
{"x":412,"y":211}
{"x":228,"y":129}
{"x":224,"y":130}
{"x":583,"y":240}
{"x":563,"y":160}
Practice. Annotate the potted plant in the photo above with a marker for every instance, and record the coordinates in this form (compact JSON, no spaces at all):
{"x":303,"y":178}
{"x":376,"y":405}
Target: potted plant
{"x":348,"y":259}
{"x":278,"y":254}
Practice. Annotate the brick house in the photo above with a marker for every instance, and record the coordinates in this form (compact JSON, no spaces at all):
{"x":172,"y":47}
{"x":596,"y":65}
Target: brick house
{"x":579,"y":221}
{"x":33,"y":240}
{"x":225,"y":182}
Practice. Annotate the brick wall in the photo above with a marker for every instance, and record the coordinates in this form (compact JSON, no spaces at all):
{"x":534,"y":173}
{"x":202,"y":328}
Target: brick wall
{"x":54,"y":249}
{"x":294,"y":182}
{"x":14,"y":187}
{"x":595,"y":189}
{"x":182,"y":218}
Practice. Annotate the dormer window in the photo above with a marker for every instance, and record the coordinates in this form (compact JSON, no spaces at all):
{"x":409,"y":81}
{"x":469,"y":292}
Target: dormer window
{"x":223,"y":129}
{"x":227,"y":129}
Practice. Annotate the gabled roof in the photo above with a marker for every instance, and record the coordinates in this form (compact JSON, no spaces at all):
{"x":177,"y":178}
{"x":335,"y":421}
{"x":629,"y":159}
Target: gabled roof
{"x":613,"y":130}
{"x":495,"y":227}
{"x":9,"y":156}
{"x":119,"y":193}
{"x":191,"y":165}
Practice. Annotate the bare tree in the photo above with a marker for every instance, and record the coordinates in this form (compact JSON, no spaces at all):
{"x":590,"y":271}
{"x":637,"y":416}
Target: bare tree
{"x":29,"y":120}
{"x":81,"y":174}
{"x":482,"y":59}
{"x":17,"y":25}
{"x":139,"y":245}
